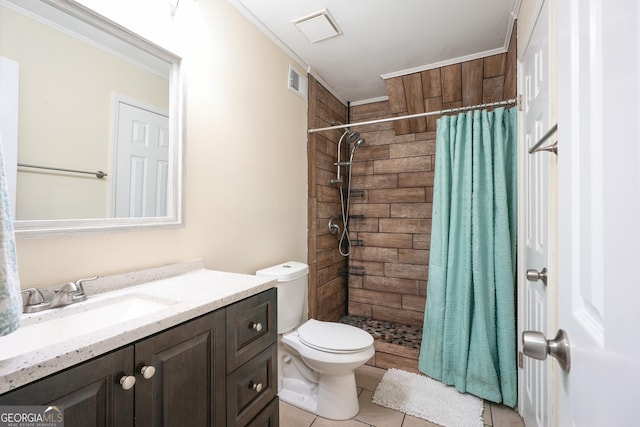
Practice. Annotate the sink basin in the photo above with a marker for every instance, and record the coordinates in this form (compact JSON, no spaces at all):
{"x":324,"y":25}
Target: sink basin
{"x":47,"y":328}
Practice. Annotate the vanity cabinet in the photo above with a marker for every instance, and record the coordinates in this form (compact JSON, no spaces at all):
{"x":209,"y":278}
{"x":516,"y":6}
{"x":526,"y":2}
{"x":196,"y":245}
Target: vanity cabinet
{"x":218,"y":369}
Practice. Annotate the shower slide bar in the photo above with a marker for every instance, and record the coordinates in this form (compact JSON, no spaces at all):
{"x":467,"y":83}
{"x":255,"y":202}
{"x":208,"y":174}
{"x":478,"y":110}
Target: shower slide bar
{"x":413,"y":116}
{"x":98,"y":174}
{"x":553,"y":148}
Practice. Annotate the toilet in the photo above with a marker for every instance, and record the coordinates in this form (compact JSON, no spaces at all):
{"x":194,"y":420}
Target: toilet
{"x":316,"y":359}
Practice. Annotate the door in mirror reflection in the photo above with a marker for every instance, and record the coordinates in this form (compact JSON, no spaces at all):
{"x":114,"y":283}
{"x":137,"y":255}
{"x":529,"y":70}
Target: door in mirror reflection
{"x":142,"y":149}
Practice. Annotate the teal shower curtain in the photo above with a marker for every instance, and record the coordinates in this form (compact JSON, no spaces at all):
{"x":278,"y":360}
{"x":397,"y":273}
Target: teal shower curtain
{"x":469,"y":335}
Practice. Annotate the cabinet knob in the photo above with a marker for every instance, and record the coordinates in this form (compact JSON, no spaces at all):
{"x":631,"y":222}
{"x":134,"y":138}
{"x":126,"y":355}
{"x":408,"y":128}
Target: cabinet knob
{"x":257,"y":387}
{"x":148,"y":371}
{"x":127,"y":382}
{"x":257,"y":326}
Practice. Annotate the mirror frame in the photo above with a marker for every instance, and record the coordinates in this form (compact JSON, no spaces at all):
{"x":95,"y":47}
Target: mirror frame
{"x":60,"y":228}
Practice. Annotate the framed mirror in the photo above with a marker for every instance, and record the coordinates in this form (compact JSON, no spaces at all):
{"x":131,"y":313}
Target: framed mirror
{"x":92,"y":122}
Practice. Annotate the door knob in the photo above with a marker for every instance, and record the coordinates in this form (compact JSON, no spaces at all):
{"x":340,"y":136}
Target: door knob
{"x":534,"y":275}
{"x":535,"y":345}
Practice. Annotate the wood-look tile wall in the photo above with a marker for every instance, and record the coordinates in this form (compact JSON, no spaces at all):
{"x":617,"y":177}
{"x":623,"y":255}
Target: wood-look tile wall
{"x":327,"y":288}
{"x":395,"y":168}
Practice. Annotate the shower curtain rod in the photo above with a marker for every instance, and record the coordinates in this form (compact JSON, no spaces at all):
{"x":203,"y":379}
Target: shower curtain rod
{"x":413,"y":116}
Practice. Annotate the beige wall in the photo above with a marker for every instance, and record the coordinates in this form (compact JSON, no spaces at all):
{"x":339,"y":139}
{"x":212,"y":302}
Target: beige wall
{"x":245,"y":161}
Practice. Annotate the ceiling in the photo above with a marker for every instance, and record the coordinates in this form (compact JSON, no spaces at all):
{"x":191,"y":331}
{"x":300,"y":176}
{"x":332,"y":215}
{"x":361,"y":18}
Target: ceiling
{"x":383,"y":38}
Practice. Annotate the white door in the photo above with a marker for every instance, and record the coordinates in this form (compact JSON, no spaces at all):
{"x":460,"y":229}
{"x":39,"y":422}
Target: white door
{"x":538,"y":211}
{"x":599,"y":211}
{"x":141,"y":163}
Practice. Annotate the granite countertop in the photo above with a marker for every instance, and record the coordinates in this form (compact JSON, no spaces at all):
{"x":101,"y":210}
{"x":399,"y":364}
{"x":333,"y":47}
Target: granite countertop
{"x":189,"y":289}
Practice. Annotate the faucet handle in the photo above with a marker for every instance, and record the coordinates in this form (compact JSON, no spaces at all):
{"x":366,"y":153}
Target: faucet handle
{"x":34,"y":297}
{"x":79,"y":283}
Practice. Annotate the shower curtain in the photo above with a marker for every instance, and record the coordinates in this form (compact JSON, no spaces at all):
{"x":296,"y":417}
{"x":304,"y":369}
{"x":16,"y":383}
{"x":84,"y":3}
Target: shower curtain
{"x":469,"y":335}
{"x":10,"y":298}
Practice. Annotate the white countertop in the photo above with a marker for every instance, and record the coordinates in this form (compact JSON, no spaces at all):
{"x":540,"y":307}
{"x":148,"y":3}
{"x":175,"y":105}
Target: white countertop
{"x":194,"y":291}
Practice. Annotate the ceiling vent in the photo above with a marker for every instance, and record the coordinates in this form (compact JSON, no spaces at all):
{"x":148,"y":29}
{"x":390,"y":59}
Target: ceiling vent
{"x":318,"y":26}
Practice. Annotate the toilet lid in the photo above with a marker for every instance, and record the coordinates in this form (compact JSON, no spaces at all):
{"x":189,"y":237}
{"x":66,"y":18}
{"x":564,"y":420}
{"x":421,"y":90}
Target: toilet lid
{"x":334,"y":337}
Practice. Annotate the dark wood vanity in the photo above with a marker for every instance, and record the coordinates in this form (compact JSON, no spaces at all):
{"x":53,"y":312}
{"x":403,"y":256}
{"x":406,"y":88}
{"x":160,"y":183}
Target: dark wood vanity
{"x":219,"y":369}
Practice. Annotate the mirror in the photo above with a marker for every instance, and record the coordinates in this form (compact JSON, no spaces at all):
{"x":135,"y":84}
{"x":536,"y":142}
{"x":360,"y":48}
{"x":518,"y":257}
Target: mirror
{"x":97,"y":122}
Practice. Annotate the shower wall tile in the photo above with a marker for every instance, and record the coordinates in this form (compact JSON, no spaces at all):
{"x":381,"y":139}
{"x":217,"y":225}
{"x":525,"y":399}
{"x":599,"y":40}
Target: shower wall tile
{"x":408,"y":149}
{"x":472,"y":76}
{"x":412,"y":256}
{"x":371,"y":210}
{"x":495,"y":65}
{"x":373,"y":253}
{"x":375,"y":298}
{"x":397,"y":195}
{"x":416,"y":179}
{"x":405,"y":225}
{"x":394,"y":315}
{"x":387,"y":240}
{"x":374,"y":181}
{"x":431,"y":83}
{"x":408,"y":164}
{"x":493,"y":89}
{"x":405,"y":271}
{"x":327,"y":288}
{"x":452,"y":83}
{"x":413,"y":302}
{"x":411,"y":210}
{"x":391,"y":284}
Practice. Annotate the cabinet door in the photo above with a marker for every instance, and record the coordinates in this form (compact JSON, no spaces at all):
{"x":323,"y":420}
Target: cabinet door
{"x":188,"y":387}
{"x":89,"y":394}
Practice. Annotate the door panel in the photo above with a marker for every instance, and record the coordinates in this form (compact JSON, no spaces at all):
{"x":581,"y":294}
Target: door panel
{"x":535,"y":78}
{"x":599,"y":201}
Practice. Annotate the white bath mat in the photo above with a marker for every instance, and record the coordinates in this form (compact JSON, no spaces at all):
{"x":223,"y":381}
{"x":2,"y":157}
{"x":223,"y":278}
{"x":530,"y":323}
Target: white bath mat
{"x":428,"y":399}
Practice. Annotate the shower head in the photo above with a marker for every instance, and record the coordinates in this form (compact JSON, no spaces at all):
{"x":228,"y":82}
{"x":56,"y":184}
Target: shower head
{"x":352,"y":136}
{"x":359,"y":142}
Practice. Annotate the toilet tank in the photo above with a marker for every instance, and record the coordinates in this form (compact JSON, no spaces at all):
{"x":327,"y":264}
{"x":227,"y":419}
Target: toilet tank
{"x":292,"y":280}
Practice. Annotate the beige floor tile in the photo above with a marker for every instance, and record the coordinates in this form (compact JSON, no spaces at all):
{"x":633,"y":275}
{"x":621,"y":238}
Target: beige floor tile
{"x":290,"y":416}
{"x":375,"y":415}
{"x":368,"y":377}
{"x":323,"y":422}
{"x":410,"y":421}
{"x":505,"y":417}
{"x":486,"y":414}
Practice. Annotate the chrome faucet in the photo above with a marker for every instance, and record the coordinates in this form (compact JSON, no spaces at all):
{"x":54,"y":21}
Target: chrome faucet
{"x":69,"y":293}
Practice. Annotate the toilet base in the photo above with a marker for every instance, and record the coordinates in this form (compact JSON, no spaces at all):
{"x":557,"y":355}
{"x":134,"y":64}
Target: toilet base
{"x":335,"y":396}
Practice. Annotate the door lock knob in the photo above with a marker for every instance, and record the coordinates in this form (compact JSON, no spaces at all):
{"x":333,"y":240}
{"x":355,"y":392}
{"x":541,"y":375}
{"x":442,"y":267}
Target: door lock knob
{"x":535,"y":345}
{"x":534,"y":275}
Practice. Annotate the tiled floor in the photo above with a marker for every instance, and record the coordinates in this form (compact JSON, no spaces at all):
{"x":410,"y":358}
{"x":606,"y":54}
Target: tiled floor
{"x":367,"y":378}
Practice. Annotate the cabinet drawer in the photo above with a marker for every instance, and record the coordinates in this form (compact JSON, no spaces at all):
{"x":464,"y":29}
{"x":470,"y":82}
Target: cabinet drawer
{"x":251,"y":387}
{"x":269,"y":417}
{"x":251,"y":327}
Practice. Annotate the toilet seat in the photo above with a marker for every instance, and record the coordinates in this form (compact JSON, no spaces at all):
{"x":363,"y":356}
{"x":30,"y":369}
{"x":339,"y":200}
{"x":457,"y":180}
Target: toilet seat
{"x":333,"y":337}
